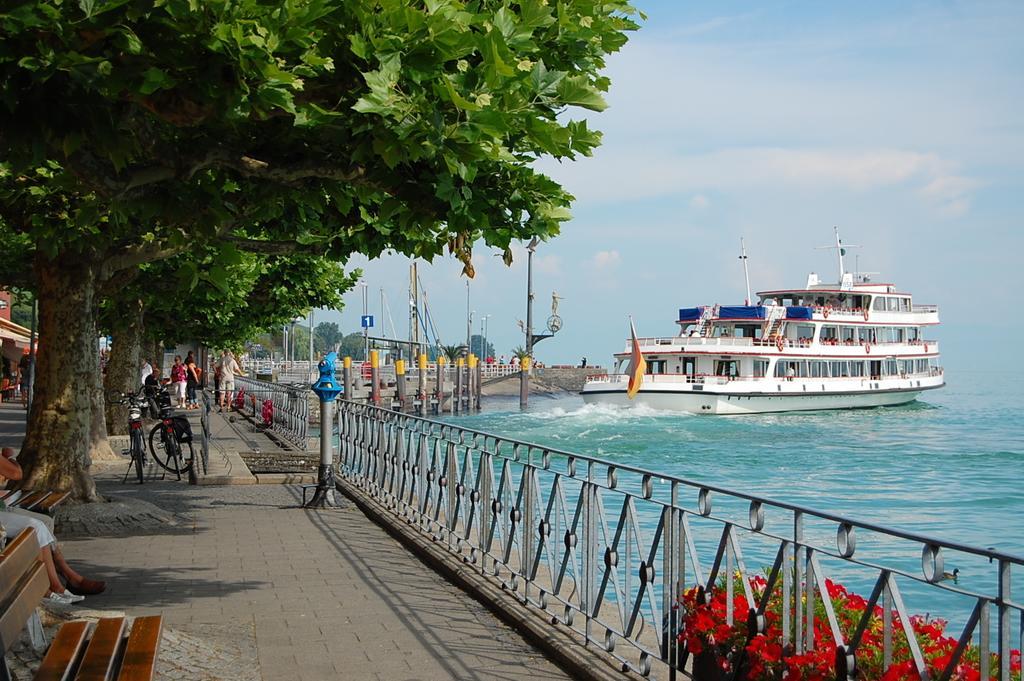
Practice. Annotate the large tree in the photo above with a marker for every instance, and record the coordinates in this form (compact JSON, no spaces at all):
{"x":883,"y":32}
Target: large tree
{"x":327,"y":127}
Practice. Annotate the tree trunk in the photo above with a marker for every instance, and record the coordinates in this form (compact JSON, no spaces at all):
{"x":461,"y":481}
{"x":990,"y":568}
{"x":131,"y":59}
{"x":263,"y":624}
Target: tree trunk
{"x":123,"y":367}
{"x":154,"y":352}
{"x":99,"y":445}
{"x":55,"y":452}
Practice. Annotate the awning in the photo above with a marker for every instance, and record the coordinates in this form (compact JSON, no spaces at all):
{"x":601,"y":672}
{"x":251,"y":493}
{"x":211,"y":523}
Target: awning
{"x":7,"y":334}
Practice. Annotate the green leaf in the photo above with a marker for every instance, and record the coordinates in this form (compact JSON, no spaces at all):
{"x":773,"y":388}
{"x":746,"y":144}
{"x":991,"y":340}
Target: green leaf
{"x":576,"y":90}
{"x":154,"y":79}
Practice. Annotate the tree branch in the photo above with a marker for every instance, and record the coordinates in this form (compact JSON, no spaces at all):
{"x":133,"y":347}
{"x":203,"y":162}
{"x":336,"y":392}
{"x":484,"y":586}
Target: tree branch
{"x":267,"y":247}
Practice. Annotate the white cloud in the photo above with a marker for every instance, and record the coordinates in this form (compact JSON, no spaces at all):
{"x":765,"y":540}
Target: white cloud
{"x":603,"y":260}
{"x":548,"y":264}
{"x":627,"y":174}
{"x":699,"y":202}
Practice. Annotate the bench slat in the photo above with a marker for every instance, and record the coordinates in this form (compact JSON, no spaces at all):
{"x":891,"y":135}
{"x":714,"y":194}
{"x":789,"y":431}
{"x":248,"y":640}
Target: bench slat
{"x":24,"y":598}
{"x":58,"y":664}
{"x":16,"y":558}
{"x":143,"y":645}
{"x":52,"y":501}
{"x":98,"y":663}
{"x":31,"y":499}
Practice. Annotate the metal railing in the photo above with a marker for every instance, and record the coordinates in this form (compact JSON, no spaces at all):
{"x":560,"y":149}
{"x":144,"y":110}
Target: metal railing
{"x":605,"y":550}
{"x":204,"y":421}
{"x":290,"y":413}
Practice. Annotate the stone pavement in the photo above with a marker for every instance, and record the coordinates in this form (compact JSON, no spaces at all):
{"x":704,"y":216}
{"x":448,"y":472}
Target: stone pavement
{"x":254,"y":587}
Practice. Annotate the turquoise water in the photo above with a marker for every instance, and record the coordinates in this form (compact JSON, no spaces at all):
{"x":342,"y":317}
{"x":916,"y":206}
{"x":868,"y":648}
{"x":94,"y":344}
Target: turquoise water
{"x":950,"y":465}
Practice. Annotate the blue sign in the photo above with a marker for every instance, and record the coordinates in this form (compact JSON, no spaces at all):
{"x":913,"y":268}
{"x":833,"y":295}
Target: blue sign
{"x":367,"y":321}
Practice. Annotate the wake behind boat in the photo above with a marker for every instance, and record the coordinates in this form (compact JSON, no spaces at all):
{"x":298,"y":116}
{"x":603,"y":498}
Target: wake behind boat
{"x":852,"y":344}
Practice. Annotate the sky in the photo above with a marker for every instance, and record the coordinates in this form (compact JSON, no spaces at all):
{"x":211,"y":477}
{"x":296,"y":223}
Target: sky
{"x":900,"y":123}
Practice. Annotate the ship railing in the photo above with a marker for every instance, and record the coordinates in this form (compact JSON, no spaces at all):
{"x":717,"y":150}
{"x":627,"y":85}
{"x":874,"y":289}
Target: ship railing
{"x":603,"y":552}
{"x":925,"y":308}
{"x":724,"y":380}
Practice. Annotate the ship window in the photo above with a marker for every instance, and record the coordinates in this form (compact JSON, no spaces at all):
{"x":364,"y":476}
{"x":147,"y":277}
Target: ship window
{"x":905,"y":305}
{"x":829,"y":334}
{"x":856,"y":368}
{"x":894,"y":304}
{"x":890,"y":367}
{"x":689,"y":365}
{"x":912,"y":333}
{"x":656,"y":366}
{"x":804,"y":332}
{"x":849,"y":333}
{"x":760,"y":367}
{"x":839,"y":369}
{"x":727,"y":367}
{"x":879,"y":304}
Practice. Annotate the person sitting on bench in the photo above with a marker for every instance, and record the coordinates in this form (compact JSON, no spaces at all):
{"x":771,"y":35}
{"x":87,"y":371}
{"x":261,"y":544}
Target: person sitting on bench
{"x":16,"y":519}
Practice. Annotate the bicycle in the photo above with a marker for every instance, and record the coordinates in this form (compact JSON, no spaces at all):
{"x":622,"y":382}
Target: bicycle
{"x":136,"y":448}
{"x":169,"y":438}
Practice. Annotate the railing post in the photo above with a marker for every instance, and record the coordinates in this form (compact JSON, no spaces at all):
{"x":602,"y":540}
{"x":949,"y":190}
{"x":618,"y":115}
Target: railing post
{"x":798,"y":581}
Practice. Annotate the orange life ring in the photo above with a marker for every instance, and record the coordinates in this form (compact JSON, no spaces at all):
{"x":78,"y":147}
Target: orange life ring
{"x":779,"y":343}
{"x":825,"y":312}
{"x":867,"y":348}
{"x":926,"y":347}
{"x":865,"y":314}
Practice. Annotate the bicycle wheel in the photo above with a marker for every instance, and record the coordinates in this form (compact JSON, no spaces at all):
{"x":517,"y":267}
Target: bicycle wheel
{"x":138,"y":452}
{"x":171,"y":458}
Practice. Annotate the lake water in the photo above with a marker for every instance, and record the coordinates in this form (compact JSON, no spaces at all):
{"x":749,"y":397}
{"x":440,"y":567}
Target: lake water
{"x":950,"y":465}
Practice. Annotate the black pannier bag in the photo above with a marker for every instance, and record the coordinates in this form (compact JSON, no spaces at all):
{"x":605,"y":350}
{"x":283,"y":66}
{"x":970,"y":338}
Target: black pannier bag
{"x":182,"y":429}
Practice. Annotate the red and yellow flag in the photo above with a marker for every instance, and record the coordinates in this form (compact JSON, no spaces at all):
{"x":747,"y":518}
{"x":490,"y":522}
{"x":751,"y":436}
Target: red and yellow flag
{"x":637,"y":366}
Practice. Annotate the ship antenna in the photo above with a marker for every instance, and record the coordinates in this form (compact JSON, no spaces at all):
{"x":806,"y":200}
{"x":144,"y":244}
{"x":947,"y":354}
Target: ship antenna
{"x":840,"y":248}
{"x":746,"y":273}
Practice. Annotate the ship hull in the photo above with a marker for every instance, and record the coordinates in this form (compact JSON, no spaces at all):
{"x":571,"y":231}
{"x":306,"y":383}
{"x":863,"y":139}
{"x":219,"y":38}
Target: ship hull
{"x":710,"y":402}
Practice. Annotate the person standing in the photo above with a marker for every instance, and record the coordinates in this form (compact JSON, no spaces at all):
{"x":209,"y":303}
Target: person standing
{"x":228,"y":370}
{"x":178,"y":380}
{"x":144,"y":371}
{"x":24,"y":369}
{"x":192,"y":381}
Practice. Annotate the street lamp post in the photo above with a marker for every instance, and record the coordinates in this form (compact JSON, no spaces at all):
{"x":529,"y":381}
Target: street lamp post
{"x":483,"y":335}
{"x":469,"y":322}
{"x":366,"y":329}
{"x":524,"y":373}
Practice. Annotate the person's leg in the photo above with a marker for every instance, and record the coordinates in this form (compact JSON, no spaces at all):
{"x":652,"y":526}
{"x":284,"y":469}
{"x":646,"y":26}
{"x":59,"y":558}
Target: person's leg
{"x":46,"y":555}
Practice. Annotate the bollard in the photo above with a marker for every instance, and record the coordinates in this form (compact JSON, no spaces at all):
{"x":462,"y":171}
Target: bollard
{"x":326,"y":388}
{"x":374,"y":378}
{"x":400,"y":383}
{"x":457,"y":392}
{"x":471,"y":365}
{"x":524,"y":381}
{"x":346,"y":377}
{"x":440,"y":384}
{"x":421,"y":388}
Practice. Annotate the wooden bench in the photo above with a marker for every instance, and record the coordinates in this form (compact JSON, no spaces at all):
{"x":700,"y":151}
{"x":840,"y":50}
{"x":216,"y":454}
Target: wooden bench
{"x":40,"y":502}
{"x":80,"y":650}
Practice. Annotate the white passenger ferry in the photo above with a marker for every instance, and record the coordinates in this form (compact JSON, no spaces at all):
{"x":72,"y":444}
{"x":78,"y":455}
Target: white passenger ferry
{"x":853,"y":344}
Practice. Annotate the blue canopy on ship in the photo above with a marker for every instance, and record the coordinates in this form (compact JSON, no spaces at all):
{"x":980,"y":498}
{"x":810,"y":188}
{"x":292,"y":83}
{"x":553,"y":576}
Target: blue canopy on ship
{"x":741,"y":312}
{"x":690,"y":314}
{"x":799,"y":312}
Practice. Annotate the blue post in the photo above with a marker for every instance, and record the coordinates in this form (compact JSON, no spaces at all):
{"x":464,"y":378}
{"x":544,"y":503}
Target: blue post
{"x":327,"y":389}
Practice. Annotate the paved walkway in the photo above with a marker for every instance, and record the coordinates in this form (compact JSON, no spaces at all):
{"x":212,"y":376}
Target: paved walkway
{"x":253,"y":587}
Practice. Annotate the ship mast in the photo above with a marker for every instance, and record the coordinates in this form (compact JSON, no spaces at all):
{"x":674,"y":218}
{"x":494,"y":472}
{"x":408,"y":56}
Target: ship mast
{"x":746,"y":273}
{"x":840,"y":249}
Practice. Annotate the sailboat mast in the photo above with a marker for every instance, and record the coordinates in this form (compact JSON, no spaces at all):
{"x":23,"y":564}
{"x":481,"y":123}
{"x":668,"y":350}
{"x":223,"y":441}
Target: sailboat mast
{"x":414,"y":304}
{"x":746,"y":272}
